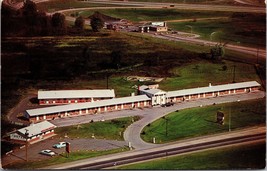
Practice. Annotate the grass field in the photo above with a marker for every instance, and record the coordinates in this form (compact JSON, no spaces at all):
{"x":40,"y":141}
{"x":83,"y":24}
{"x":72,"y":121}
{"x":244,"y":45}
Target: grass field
{"x":239,"y":28}
{"x":156,"y":14}
{"x":250,"y":32}
{"x":56,"y":63}
{"x":202,"y":121}
{"x":62,"y":158}
{"x":56,"y":5}
{"x":204,"y":72}
{"x":250,"y":156}
{"x":111,"y":129}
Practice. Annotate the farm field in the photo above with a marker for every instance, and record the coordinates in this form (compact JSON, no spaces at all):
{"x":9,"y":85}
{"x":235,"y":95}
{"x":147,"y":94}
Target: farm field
{"x":250,"y":156}
{"x":201,"y":121}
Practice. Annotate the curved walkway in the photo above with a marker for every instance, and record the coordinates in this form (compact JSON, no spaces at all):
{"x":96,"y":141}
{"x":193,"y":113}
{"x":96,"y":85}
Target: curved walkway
{"x":133,"y":132}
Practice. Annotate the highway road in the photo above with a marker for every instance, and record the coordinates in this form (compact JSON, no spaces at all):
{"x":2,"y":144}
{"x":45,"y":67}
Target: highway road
{"x":171,"y":152}
{"x":208,"y":7}
{"x":246,"y":50}
{"x":249,"y":135}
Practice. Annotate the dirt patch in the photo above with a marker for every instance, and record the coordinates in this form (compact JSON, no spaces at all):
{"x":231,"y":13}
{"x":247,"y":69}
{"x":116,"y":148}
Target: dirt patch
{"x":144,"y":79}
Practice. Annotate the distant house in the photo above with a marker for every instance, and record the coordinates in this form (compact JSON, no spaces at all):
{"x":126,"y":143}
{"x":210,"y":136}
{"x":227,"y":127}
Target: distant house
{"x":33,"y":133}
{"x":158,"y":27}
{"x":117,"y":25}
{"x":57,"y":97}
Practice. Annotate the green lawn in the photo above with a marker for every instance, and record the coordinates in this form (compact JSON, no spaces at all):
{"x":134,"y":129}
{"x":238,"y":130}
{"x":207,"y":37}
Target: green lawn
{"x":111,"y":129}
{"x":250,"y":32}
{"x":135,"y":14}
{"x":62,"y":158}
{"x":56,"y":5}
{"x":250,"y":156}
{"x":202,"y":73}
{"x":202,"y":121}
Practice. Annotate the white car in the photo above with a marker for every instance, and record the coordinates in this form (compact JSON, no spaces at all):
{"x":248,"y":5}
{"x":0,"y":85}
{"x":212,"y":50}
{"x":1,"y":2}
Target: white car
{"x":60,"y":145}
{"x":48,"y":152}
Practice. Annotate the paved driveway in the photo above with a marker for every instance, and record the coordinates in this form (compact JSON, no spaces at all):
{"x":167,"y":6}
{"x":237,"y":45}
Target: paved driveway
{"x":132,"y":133}
{"x":76,"y":145}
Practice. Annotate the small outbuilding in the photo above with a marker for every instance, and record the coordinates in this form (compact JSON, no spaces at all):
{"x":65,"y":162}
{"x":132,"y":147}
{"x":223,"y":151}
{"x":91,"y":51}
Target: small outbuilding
{"x":33,"y":133}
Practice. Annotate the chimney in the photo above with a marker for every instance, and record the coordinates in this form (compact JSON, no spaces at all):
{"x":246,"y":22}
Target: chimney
{"x":132,"y":94}
{"x":209,"y":84}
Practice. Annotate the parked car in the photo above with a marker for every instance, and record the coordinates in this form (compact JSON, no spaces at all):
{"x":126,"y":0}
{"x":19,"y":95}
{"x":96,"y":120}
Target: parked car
{"x":60,"y":145}
{"x":48,"y":152}
{"x":167,"y":104}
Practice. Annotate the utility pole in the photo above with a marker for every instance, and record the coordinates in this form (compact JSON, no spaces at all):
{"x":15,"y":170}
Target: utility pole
{"x":234,"y":74}
{"x":230,"y":120}
{"x":26,"y":145}
{"x":258,"y":55}
{"x":166,"y":125}
{"x":107,"y":78}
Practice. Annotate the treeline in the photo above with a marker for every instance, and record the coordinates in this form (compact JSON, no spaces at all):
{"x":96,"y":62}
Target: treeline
{"x":28,"y":21}
{"x":238,"y":16}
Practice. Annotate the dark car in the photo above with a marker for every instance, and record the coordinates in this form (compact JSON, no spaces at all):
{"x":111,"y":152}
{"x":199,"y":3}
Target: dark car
{"x":168,"y":104}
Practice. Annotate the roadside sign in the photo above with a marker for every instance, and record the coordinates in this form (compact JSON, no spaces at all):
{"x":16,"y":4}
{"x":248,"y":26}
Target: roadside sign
{"x":68,"y":148}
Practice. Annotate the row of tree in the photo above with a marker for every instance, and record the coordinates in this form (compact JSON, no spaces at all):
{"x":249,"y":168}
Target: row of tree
{"x":28,"y":21}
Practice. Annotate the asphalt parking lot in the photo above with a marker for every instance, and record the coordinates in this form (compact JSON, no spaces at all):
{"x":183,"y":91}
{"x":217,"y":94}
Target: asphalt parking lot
{"x":76,"y":144}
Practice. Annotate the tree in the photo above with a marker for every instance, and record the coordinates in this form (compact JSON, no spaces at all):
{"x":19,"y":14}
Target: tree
{"x":59,"y":23}
{"x":86,"y":56}
{"x":30,"y":13}
{"x":217,"y":52}
{"x":58,"y":20}
{"x":116,"y":56}
{"x":79,"y":22}
{"x":29,"y":8}
{"x":97,"y":23}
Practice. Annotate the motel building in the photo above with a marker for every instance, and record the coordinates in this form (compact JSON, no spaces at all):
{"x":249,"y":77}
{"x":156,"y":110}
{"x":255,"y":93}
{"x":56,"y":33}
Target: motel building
{"x":58,"y":97}
{"x":33,"y":133}
{"x":61,"y":111}
{"x":212,"y":91}
{"x":150,"y":96}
